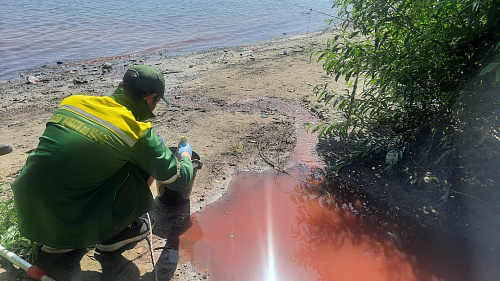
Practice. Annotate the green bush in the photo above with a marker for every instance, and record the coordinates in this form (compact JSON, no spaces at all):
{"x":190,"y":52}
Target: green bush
{"x":417,"y":71}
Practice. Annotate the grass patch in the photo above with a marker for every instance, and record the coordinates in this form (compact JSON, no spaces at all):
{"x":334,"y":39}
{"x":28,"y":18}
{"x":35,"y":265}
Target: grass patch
{"x":237,"y":150}
{"x":10,"y":237}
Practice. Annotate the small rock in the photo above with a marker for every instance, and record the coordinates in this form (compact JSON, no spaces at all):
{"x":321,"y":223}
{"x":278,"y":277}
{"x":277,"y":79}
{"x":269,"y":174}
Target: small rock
{"x":77,"y":81}
{"x":107,"y":65}
{"x":5,"y":148}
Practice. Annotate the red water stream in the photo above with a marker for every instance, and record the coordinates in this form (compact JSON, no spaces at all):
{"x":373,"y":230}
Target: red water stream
{"x":271,"y":227}
{"x":277,"y":226}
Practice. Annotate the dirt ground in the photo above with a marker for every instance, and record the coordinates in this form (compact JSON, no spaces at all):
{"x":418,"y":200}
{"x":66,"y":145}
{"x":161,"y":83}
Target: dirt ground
{"x":220,"y":102}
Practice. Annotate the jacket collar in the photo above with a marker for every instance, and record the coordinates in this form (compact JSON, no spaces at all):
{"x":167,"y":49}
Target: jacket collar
{"x":136,"y":105}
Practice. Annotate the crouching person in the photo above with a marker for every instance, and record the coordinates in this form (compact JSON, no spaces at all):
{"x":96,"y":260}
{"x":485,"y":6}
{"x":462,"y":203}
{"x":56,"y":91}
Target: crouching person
{"x":87,"y":182}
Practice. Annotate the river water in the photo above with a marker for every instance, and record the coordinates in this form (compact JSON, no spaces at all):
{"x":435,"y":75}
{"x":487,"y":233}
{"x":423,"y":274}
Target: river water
{"x":42,"y":33}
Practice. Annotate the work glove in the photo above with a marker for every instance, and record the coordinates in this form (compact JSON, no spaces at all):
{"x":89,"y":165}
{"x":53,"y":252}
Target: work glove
{"x":184,"y":147}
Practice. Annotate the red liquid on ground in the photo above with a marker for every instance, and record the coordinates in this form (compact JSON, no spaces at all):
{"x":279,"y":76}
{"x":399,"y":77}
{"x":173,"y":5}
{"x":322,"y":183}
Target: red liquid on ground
{"x":271,"y":226}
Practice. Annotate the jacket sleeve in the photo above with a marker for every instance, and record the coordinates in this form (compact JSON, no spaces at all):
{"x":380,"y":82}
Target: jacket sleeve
{"x":151,"y":155}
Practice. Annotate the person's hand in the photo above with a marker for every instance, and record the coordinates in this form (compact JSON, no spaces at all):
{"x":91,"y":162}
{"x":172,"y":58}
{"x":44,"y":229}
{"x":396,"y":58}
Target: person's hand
{"x":184,"y":147}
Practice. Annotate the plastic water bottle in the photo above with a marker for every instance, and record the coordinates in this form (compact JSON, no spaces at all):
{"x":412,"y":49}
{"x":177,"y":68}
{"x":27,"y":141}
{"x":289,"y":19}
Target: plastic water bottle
{"x":182,"y":142}
{"x":32,"y":79}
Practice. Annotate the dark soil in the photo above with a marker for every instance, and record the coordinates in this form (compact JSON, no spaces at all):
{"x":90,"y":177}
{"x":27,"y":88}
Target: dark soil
{"x":452,"y":225}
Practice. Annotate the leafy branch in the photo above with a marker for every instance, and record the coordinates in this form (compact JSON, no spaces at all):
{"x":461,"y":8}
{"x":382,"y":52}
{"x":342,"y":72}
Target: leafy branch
{"x":413,"y":67}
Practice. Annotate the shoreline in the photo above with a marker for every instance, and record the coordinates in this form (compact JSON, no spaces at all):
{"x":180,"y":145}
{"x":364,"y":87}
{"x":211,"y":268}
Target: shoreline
{"x":90,"y":75}
{"x":150,"y":54}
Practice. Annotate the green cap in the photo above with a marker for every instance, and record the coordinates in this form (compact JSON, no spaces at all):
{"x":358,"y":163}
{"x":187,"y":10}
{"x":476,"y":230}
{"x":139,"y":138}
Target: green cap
{"x":145,"y":79}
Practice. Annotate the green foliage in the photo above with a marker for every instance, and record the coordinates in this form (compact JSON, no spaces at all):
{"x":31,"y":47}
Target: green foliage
{"x":10,"y":237}
{"x":420,"y":64}
{"x":237,"y":150}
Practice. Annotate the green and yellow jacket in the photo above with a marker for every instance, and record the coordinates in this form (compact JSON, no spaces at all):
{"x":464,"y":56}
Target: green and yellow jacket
{"x":85,"y":181}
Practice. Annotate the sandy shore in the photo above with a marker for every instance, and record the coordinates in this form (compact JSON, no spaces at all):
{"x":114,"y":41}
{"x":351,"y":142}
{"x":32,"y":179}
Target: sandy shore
{"x":219,"y":102}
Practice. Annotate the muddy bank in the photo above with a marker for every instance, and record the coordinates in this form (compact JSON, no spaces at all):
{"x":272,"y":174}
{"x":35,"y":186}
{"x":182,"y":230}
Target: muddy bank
{"x":455,"y":220}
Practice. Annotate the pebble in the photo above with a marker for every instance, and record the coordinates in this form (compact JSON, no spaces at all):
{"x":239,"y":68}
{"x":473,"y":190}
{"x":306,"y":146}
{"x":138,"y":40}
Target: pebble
{"x":77,"y":81}
{"x":107,"y":65}
{"x":5,"y":148}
